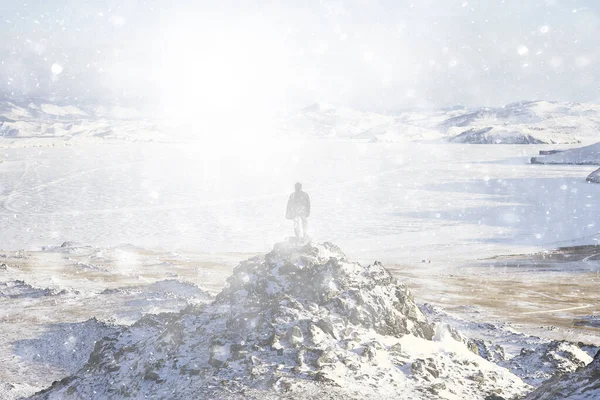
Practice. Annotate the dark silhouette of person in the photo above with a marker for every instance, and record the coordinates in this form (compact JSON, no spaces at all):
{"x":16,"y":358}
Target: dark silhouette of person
{"x":298,"y":209}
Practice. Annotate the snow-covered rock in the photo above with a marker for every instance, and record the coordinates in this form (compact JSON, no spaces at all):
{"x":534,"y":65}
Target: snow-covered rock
{"x":547,"y":360}
{"x":588,"y":155}
{"x":299,"y":322}
{"x":531,"y":358}
{"x":491,"y":135}
{"x":583,"y":384}
{"x":594,"y":177}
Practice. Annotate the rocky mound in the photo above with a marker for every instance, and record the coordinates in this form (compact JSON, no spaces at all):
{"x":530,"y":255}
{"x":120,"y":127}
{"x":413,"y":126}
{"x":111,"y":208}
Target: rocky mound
{"x":579,"y":385}
{"x":296,"y":323}
{"x":491,"y":135}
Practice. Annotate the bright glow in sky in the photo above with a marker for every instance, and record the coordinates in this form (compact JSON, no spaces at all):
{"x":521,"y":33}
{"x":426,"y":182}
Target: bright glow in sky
{"x":226,"y":57}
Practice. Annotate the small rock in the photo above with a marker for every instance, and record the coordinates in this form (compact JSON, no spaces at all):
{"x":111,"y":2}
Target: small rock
{"x":295,"y":335}
{"x":152,"y":376}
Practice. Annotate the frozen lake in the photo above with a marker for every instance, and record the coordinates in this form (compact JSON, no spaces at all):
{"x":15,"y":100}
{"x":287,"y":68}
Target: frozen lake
{"x":392,"y":202}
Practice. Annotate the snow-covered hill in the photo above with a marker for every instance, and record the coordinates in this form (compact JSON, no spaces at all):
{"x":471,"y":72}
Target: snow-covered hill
{"x":299,"y":322}
{"x":530,"y":122}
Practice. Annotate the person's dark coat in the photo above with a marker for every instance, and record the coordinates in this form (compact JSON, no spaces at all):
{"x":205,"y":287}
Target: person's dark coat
{"x":298,"y":205}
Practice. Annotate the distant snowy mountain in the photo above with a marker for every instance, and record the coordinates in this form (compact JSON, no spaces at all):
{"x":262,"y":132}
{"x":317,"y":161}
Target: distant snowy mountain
{"x":531,"y":122}
{"x":44,"y":120}
{"x":492,"y":135}
{"x":541,"y":121}
{"x":325,"y":120}
{"x":330,"y":121}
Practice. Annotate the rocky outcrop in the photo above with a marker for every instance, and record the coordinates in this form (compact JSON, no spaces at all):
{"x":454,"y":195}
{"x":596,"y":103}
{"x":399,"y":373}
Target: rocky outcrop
{"x":546,"y":361}
{"x":299,"y":322}
{"x":579,"y":385}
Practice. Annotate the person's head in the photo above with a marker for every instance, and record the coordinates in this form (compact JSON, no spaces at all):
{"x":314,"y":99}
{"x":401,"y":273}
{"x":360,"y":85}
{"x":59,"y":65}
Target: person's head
{"x":298,"y":186}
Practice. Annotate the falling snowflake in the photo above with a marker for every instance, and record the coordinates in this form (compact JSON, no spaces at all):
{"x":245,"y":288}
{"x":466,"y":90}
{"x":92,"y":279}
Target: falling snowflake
{"x":522,"y":50}
{"x":57,"y":69}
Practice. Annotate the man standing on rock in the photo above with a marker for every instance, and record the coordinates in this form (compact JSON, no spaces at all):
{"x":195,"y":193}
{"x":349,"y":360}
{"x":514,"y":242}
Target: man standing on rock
{"x":298,"y":209}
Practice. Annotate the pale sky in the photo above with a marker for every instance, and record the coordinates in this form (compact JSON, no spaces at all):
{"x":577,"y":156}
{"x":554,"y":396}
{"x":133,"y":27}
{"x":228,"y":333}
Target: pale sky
{"x":371,"y":55}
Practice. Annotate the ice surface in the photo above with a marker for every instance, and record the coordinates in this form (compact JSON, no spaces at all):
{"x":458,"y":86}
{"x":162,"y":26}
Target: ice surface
{"x":382,"y":201}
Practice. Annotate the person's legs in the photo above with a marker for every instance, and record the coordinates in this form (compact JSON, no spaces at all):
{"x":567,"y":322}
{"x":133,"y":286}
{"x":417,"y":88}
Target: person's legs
{"x":304,"y":227}
{"x":297,"y":226}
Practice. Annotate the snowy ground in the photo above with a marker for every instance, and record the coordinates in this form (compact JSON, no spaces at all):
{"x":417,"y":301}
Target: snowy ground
{"x":192,"y":212}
